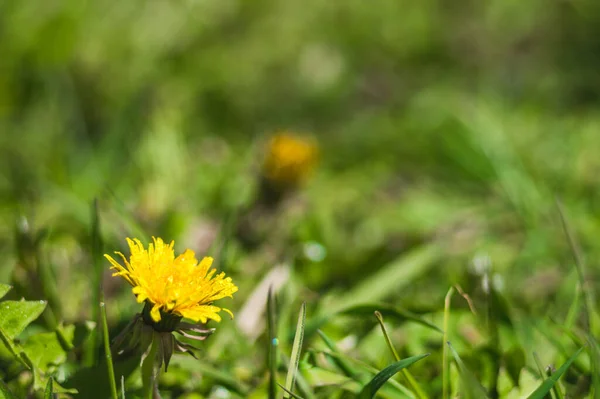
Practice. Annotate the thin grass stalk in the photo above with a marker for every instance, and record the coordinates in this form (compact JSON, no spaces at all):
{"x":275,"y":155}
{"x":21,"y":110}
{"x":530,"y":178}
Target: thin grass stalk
{"x":108,"y":354}
{"x":445,"y":362}
{"x":272,"y":344}
{"x":412,"y":382}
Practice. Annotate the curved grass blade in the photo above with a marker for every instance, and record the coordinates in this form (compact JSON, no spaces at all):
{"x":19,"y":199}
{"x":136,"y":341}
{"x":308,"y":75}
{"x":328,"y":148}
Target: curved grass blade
{"x":296,"y":348}
{"x":407,"y":375}
{"x":471,"y":387}
{"x":343,"y":365}
{"x":396,"y":313}
{"x":377,"y":382}
{"x":549,"y":382}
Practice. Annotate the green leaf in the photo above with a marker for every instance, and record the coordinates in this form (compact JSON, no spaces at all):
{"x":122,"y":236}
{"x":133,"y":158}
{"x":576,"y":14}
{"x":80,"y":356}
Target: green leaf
{"x":5,"y":393}
{"x":4,"y":288}
{"x":296,"y":348}
{"x":45,"y":351}
{"x":471,"y":387}
{"x":16,"y":315}
{"x":377,"y":382}
{"x":48,"y":391}
{"x":549,"y":382}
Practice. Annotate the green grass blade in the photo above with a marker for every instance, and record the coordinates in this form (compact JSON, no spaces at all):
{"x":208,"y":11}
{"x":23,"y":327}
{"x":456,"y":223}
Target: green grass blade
{"x":377,"y":382}
{"x":109,"y":363}
{"x":272,"y":344}
{"x":549,"y":382}
{"x":296,"y":349}
{"x":49,"y":388}
{"x":588,"y":296}
{"x":122,"y":387}
{"x":89,"y":354}
{"x":292,"y":394}
{"x":445,"y":363}
{"x":471,"y":387}
{"x":411,"y":380}
{"x":343,"y":365}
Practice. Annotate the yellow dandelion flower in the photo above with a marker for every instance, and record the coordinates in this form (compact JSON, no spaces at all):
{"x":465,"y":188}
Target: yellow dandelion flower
{"x":172,"y":285}
{"x":290,"y":159}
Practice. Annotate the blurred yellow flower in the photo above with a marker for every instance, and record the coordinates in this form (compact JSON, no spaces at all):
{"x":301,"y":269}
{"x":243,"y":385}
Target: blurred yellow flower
{"x":173,"y":285}
{"x":290,"y":159}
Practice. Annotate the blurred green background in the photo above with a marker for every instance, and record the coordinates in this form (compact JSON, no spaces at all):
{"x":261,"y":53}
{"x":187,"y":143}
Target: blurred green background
{"x":446,"y":132}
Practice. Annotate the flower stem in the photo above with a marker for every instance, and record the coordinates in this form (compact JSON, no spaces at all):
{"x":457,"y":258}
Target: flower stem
{"x":150,"y":370}
{"x":108,"y":354}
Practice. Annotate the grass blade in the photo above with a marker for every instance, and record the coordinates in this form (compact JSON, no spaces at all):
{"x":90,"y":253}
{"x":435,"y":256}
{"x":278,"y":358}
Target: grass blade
{"x":377,"y":382}
{"x":272,"y":344}
{"x":445,"y":363}
{"x":471,"y":387}
{"x":89,"y":354}
{"x":343,"y":365}
{"x":49,"y":389}
{"x":588,"y":297}
{"x":549,"y":382}
{"x":109,"y":363}
{"x":292,"y":394}
{"x":411,"y":381}
{"x":296,"y":348}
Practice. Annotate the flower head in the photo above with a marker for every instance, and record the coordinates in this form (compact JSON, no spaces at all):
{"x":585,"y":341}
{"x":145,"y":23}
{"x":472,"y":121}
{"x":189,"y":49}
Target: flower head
{"x":289,"y":160}
{"x":173,"y":286}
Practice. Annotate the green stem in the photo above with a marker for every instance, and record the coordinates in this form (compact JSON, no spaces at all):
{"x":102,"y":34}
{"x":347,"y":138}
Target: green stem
{"x":149,"y":369}
{"x":445,"y":364}
{"x":109,"y":363}
{"x":407,"y":375}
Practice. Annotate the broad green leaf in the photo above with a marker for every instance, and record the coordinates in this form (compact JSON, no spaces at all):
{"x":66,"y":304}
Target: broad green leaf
{"x":549,"y":382}
{"x":45,"y":351}
{"x":377,"y":382}
{"x":471,"y":387}
{"x":296,"y":349}
{"x":16,"y":315}
{"x":4,"y":288}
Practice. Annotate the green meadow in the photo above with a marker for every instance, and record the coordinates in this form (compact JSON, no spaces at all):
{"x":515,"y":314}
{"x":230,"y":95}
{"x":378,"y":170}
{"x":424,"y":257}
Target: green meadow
{"x":405,"y":195}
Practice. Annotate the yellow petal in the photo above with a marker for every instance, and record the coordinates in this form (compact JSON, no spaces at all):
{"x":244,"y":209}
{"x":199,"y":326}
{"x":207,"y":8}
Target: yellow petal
{"x":155,"y":313}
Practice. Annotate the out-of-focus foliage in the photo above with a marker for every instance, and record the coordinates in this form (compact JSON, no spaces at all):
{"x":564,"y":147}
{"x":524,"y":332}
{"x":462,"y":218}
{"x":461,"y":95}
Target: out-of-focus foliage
{"x":446,"y":131}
